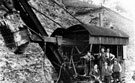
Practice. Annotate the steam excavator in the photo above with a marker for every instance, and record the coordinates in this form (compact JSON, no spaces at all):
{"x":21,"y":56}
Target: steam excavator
{"x":48,"y":44}
{"x":65,"y":46}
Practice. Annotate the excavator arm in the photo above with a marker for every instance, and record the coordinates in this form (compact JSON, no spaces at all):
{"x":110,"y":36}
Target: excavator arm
{"x":48,"y":44}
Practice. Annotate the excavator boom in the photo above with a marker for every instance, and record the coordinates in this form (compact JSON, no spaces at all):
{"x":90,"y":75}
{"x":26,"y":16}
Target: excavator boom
{"x":48,"y":44}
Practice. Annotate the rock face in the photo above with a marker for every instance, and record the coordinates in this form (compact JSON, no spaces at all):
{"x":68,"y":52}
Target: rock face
{"x":25,"y":68}
{"x":29,"y":67}
{"x":54,"y":12}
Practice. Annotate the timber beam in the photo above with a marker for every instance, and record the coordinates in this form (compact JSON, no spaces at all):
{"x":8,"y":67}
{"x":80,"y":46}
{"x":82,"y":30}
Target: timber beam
{"x":64,"y":41}
{"x":59,"y":40}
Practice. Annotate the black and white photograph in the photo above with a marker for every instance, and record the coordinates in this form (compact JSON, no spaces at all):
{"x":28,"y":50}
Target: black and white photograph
{"x":67,"y":41}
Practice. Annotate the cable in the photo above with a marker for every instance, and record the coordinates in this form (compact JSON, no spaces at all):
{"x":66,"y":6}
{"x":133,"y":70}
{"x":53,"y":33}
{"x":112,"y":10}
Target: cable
{"x":46,"y":16}
{"x":60,"y":72}
{"x":36,"y":33}
{"x":67,"y":11}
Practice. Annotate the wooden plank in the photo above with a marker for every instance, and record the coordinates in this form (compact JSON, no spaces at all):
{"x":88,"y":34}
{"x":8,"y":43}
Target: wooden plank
{"x":108,"y":40}
{"x":50,"y":39}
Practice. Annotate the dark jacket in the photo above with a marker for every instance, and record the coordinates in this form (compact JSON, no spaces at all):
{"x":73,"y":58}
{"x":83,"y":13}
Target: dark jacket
{"x":101,"y":58}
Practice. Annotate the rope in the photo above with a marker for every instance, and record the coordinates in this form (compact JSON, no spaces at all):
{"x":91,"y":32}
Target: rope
{"x":46,"y":16}
{"x":36,"y":33}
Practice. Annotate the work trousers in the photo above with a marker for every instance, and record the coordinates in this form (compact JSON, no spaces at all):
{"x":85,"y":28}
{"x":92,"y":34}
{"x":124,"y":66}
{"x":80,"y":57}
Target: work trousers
{"x":107,"y":79}
{"x":116,"y":76}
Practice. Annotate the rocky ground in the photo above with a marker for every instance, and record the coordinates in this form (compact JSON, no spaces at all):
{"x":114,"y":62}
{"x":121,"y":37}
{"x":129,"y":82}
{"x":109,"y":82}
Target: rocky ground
{"x":24,"y":68}
{"x":130,"y":71}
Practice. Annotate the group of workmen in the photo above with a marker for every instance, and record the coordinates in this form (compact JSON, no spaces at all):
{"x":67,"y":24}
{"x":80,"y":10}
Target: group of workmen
{"x":103,"y":66}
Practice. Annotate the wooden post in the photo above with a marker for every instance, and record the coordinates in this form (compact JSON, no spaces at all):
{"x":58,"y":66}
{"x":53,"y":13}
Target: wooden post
{"x":124,"y":58}
{"x":124,"y":52}
{"x":91,"y":47}
{"x":90,"y":58}
{"x":100,"y":19}
{"x":101,"y":63}
{"x":117,"y":52}
{"x":99,"y":47}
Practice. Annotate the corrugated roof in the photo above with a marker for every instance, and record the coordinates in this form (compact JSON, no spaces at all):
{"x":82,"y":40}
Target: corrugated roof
{"x":100,"y":31}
